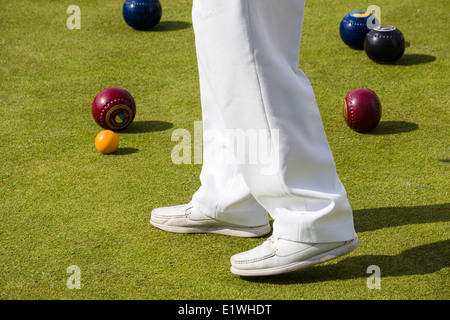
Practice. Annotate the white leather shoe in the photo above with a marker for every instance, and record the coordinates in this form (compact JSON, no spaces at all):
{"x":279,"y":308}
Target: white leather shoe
{"x":186,"y":219}
{"x":277,"y":256}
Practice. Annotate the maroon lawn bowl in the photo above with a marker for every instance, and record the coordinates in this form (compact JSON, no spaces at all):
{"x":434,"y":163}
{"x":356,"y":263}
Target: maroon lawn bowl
{"x":362,"y":110}
{"x":114,"y":108}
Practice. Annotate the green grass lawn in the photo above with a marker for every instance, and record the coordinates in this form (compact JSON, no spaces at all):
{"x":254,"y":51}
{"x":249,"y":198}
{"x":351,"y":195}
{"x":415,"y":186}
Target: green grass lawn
{"x":63,"y":203}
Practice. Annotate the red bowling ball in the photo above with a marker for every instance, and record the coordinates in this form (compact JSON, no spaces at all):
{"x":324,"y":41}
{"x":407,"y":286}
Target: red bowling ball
{"x":114,"y":108}
{"x":362,"y":110}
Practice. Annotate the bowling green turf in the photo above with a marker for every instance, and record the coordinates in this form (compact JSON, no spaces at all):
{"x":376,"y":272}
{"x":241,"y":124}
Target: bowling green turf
{"x":64,"y":204}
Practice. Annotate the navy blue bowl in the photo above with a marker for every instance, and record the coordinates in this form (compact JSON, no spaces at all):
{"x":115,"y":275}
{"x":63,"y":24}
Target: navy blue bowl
{"x":353,"y":29}
{"x":142,"y":14}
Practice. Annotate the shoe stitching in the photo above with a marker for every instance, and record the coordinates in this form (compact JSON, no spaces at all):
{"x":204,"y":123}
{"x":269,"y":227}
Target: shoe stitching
{"x":267,"y":256}
{"x":178,"y":216}
{"x":270,"y":255}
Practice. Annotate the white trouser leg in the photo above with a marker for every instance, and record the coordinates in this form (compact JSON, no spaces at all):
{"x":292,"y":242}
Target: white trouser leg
{"x":223,"y":195}
{"x":248,"y":54}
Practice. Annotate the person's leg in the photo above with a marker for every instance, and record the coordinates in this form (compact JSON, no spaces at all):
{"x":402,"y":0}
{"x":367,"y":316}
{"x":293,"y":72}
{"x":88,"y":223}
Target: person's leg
{"x":223,"y":195}
{"x":223,"y":204}
{"x":251,"y":50}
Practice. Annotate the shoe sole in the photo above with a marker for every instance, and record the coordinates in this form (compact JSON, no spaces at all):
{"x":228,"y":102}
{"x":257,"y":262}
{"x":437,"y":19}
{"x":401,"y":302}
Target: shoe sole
{"x":250,"y":232}
{"x":295,"y":266}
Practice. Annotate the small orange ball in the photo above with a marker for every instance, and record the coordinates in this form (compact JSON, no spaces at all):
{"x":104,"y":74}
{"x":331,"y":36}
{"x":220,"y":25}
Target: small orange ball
{"x":107,"y":141}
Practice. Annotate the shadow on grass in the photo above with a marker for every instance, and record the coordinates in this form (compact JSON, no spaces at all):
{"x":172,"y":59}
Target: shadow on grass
{"x":164,"y":26}
{"x":125,"y":151}
{"x":414,"y":59}
{"x":393,"y":127}
{"x":423,"y":259}
{"x":147,"y":126}
{"x":381,"y":218}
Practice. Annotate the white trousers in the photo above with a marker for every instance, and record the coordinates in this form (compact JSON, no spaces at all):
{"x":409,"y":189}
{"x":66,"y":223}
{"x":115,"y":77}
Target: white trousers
{"x":248,"y":54}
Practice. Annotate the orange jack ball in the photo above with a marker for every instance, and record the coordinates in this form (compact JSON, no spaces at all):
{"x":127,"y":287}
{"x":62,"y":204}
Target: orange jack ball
{"x":107,"y":141}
